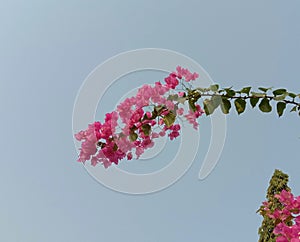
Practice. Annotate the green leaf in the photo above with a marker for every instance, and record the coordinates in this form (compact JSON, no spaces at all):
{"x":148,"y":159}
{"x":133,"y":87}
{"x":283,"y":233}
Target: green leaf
{"x":279,"y":91}
{"x":246,"y":90}
{"x":264,"y":89}
{"x":258,"y":94}
{"x":292,"y":95}
{"x":146,"y":129}
{"x":225,"y":105}
{"x":173,"y":97}
{"x":216,"y":101}
{"x":133,"y":136}
{"x":265,"y":106}
{"x":230,"y":93}
{"x":280,"y":108}
{"x":214,"y":87}
{"x":280,"y":98}
{"x":192,"y":105}
{"x":240,"y":105}
{"x":294,"y":109}
{"x":254,"y":101}
{"x":169,"y":119}
{"x":208,"y":106}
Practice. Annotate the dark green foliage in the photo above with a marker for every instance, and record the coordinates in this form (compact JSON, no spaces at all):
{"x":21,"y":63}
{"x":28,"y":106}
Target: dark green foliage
{"x":230,"y":93}
{"x":280,"y":108}
{"x":292,"y":95}
{"x":254,"y":101}
{"x":246,"y":90}
{"x":279,"y":91}
{"x":133,"y":136}
{"x":294,"y":109}
{"x":265,"y":106}
{"x":208,"y":106}
{"x":227,"y":98}
{"x":169,"y":119}
{"x":240,"y":105}
{"x":264,"y":89}
{"x":146,"y":129}
{"x":225,"y":105}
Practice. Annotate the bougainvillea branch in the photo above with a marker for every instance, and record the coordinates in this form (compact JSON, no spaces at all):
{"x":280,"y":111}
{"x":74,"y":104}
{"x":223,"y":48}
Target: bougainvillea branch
{"x":223,"y":98}
{"x":154,"y":112}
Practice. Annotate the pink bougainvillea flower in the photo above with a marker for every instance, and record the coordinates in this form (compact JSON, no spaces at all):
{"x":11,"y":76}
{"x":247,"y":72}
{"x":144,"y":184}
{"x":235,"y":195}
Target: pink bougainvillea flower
{"x":172,"y":81}
{"x":188,"y":76}
{"x":129,"y":156}
{"x":180,"y":111}
{"x":295,"y":240}
{"x":175,"y":131}
{"x":282,"y":239}
{"x":192,"y":116}
{"x":89,"y":144}
{"x":181,"y":94}
{"x":288,"y":213}
{"x":130,"y":128}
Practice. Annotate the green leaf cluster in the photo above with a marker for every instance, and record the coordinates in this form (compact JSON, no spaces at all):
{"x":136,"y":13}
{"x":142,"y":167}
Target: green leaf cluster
{"x":223,"y":97}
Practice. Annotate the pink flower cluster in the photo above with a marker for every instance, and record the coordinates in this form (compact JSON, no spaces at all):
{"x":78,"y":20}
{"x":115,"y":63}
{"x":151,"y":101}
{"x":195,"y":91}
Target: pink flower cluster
{"x":180,"y":73}
{"x":192,"y":116}
{"x":289,"y":213}
{"x":101,"y":143}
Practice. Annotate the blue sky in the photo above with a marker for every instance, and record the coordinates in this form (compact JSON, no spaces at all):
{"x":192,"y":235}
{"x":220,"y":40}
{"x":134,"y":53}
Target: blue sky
{"x":47,"y":50}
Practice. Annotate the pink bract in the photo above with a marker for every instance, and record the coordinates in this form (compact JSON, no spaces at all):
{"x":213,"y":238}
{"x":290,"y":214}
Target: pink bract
{"x":289,"y":211}
{"x":112,"y":141}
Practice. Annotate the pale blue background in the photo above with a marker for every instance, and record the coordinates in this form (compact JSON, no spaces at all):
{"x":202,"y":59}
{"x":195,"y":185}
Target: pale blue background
{"x":47,"y":48}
